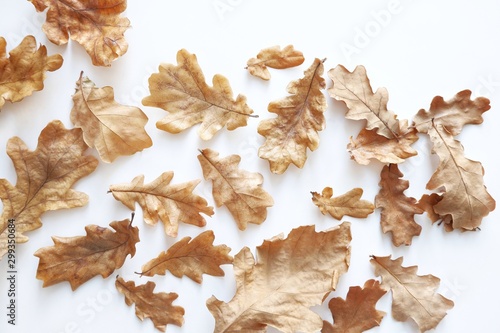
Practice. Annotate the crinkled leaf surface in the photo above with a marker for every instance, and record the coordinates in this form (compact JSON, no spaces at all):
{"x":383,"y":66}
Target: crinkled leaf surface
{"x":274,"y":57}
{"x":44,"y":179}
{"x":288,"y":277}
{"x":349,"y":203}
{"x":25,"y":69}
{"x":78,"y":259}
{"x":111,"y":128}
{"x":182,"y":91}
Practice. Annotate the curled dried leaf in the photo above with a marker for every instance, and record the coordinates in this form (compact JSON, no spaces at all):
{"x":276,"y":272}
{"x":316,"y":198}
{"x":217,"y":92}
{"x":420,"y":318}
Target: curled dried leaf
{"x":274,"y":57}
{"x":349,"y":203}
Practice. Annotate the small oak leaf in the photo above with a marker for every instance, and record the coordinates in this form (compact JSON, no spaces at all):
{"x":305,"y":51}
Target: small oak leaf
{"x":349,"y":203}
{"x":274,"y":57}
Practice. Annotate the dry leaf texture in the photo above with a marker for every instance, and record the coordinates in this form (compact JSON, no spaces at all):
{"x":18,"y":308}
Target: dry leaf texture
{"x":156,"y":306}
{"x":413,"y":296}
{"x":289,"y":276}
{"x":44,"y":179}
{"x":397,"y":210}
{"x":357,"y":313}
{"x":160,"y":200}
{"x":96,"y":25}
{"x":427,"y":203}
{"x":182,"y":91}
{"x":274,"y":57}
{"x":239,"y":190}
{"x":25,"y":69}
{"x":300,"y":118}
{"x":78,"y":259}
{"x":191,"y":258}
{"x":113,"y":129}
{"x":349,"y":203}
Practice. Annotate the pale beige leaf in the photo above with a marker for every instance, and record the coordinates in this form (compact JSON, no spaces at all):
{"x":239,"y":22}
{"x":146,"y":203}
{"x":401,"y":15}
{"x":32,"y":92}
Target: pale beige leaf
{"x":45,"y":177}
{"x":239,"y":190}
{"x":163,"y":201}
{"x":349,"y":203}
{"x":96,"y":25}
{"x":24,"y":70}
{"x":156,"y":306}
{"x":274,"y":57}
{"x":287,"y":277}
{"x":413,"y":296}
{"x":111,"y":128}
{"x":191,"y":258}
{"x":300,"y":118}
{"x":182,"y":91}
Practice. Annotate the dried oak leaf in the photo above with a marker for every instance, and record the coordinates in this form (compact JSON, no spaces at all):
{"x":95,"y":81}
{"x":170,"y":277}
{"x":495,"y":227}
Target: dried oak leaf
{"x":78,"y":259}
{"x":191,"y":258}
{"x":413,"y":296}
{"x":427,"y":203}
{"x":274,"y":57}
{"x":24,"y":71}
{"x":182,"y":91}
{"x":397,"y":210}
{"x":162,"y":201}
{"x":111,"y":128}
{"x":357,"y":313}
{"x":349,"y":203}
{"x":464,"y":196}
{"x":156,"y":306}
{"x":44,"y":179}
{"x":239,"y":190}
{"x":300,"y":118}
{"x":96,"y":25}
{"x":290,"y":276}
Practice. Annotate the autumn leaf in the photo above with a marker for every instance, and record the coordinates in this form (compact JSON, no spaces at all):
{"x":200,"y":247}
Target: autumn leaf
{"x":78,"y":259}
{"x":397,"y":210}
{"x":274,"y":57}
{"x":357,"y":313}
{"x":182,"y":91}
{"x":464,"y":196}
{"x":300,"y":118}
{"x":239,"y":190}
{"x":156,"y":306}
{"x":290,"y":276}
{"x":413,"y":296}
{"x":349,"y":203}
{"x":162,"y":201}
{"x":44,"y":179}
{"x":113,"y":129}
{"x":96,"y":25}
{"x":191,"y":258}
{"x":427,"y":203}
{"x":23,"y":71}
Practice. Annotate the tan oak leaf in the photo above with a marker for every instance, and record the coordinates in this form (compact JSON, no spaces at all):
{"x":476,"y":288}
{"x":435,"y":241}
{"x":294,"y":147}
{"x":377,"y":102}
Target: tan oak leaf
{"x":287,"y":277}
{"x":274,"y":57}
{"x":349,"y":203}
{"x":160,"y":200}
{"x":111,"y":128}
{"x":182,"y":91}
{"x":427,"y":203}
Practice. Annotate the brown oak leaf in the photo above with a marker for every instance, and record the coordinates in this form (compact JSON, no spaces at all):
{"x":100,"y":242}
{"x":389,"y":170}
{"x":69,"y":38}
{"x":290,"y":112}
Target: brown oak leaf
{"x":290,"y":276}
{"x":397,"y":210}
{"x":413,"y":296}
{"x":274,"y":57}
{"x":44,"y":179}
{"x":349,"y":203}
{"x":111,"y":128}
{"x":182,"y":91}
{"x":427,"y":203}
{"x":300,"y":118}
{"x":78,"y":259}
{"x":357,"y":313}
{"x":239,"y":190}
{"x":163,"y":201}
{"x":96,"y":25}
{"x":191,"y":258}
{"x":156,"y":306}
{"x":23,"y":71}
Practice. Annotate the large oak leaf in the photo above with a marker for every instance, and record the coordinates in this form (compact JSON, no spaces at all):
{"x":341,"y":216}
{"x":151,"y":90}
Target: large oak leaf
{"x":287,"y":278}
{"x":349,"y":203}
{"x":274,"y":57}
{"x":96,"y":25}
{"x":44,"y":179}
{"x":182,"y":91}
{"x":24,"y":70}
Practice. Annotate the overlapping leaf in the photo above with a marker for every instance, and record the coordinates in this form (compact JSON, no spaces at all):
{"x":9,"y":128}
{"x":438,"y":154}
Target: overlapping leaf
{"x":274,"y":57}
{"x":349,"y":203}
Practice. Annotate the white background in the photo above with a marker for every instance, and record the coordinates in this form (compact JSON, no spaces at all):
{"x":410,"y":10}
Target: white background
{"x":422,"y":49}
